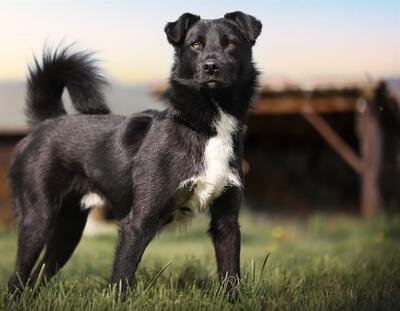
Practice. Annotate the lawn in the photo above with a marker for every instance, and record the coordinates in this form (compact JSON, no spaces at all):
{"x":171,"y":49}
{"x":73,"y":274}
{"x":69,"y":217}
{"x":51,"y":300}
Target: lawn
{"x":319,"y":263}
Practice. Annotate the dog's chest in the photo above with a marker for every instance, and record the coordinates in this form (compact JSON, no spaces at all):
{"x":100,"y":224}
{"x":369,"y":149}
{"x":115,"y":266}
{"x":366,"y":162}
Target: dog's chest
{"x":216,"y":173}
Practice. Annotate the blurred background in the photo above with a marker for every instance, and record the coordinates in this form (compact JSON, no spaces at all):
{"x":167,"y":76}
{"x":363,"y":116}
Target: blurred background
{"x":321,"y":163}
{"x":324,"y":134}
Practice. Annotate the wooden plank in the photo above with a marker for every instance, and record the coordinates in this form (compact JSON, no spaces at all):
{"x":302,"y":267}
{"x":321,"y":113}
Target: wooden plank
{"x":295,"y":105}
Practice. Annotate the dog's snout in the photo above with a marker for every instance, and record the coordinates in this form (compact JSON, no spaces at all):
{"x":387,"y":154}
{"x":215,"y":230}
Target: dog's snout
{"x":210,"y":67}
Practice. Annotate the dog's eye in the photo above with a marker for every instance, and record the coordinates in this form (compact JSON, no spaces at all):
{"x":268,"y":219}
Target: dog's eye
{"x":231,"y":43}
{"x":196,"y":45}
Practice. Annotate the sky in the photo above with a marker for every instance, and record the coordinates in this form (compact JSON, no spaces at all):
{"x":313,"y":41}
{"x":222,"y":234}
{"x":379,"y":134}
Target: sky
{"x":301,"y":40}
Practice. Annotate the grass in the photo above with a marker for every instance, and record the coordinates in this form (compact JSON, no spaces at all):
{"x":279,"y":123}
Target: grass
{"x":322,"y":263}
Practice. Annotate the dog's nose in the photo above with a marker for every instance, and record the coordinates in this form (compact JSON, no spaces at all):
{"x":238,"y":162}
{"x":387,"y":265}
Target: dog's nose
{"x":210,"y":67}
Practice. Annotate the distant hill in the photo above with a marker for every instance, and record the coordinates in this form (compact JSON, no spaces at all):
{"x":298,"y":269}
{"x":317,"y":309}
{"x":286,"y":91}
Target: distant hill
{"x":122,"y":99}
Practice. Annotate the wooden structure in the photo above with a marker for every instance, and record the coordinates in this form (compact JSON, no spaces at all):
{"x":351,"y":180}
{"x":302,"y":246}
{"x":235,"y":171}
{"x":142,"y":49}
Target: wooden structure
{"x":312,"y":104}
{"x":7,"y":143}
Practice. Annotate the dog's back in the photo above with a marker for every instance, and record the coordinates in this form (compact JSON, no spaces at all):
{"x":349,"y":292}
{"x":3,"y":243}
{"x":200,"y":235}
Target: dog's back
{"x":71,"y":143}
{"x":47,"y":117}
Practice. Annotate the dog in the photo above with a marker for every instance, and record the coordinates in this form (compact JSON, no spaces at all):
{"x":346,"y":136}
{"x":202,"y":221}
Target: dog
{"x":152,"y":168}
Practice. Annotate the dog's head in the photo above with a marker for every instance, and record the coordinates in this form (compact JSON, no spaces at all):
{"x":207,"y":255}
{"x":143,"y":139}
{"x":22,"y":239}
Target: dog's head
{"x":213,"y":53}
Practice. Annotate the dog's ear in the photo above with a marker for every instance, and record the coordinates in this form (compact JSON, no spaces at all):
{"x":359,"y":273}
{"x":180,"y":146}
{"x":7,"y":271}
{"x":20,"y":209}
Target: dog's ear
{"x":176,"y":31}
{"x":249,"y":25}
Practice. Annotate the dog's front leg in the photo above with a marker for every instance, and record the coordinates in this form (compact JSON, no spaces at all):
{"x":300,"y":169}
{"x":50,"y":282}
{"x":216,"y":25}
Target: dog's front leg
{"x":225,"y":232}
{"x":134,"y":236}
{"x":137,"y":230}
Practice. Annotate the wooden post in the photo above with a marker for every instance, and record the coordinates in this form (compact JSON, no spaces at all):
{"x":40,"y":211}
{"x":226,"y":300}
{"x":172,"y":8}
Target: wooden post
{"x":370,"y":145}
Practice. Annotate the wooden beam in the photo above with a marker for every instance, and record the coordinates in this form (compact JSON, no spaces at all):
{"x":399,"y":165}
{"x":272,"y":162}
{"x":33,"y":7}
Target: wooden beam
{"x":294,"y":104}
{"x":369,"y":135}
{"x":332,"y":138}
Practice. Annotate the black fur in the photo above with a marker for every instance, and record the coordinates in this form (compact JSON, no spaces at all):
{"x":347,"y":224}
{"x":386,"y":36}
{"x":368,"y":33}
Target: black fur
{"x":137,"y":163}
{"x":77,"y":72}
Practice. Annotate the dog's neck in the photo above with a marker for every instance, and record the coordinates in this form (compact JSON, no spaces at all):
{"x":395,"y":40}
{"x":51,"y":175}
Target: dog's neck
{"x":198,"y":108}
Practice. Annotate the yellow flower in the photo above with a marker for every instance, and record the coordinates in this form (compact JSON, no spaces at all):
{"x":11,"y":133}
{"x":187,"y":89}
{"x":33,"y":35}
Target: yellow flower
{"x":277,"y":232}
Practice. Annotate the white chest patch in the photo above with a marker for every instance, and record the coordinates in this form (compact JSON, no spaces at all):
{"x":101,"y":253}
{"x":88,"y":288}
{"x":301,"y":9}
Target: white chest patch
{"x":217,"y":173}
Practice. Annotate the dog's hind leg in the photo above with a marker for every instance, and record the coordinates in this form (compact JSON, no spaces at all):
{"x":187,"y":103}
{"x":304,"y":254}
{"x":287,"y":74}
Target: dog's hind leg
{"x":64,"y":237}
{"x":33,"y":230}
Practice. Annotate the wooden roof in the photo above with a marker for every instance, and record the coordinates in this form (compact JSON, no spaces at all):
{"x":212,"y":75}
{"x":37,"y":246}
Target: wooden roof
{"x":294,"y":101}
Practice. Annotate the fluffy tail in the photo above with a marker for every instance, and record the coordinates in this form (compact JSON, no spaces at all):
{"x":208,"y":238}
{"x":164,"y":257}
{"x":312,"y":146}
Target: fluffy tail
{"x":75,"y":71}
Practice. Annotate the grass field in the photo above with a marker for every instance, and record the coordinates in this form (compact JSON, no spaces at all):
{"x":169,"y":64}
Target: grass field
{"x":322,"y":263}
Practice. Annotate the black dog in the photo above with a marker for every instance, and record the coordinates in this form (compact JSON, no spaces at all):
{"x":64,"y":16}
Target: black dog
{"x":152,"y":168}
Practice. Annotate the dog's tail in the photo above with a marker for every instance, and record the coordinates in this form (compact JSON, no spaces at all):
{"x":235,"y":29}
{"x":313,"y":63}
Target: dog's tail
{"x":59,"y":69}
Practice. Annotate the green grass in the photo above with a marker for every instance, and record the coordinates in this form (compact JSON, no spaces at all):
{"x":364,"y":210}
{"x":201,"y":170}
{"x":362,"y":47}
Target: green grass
{"x":322,"y":263}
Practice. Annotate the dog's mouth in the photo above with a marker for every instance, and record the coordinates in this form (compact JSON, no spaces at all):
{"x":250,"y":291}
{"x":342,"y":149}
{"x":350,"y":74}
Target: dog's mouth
{"x":213,"y":83}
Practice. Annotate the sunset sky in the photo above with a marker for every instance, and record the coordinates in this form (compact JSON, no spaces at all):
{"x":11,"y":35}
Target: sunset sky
{"x":300,"y":40}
